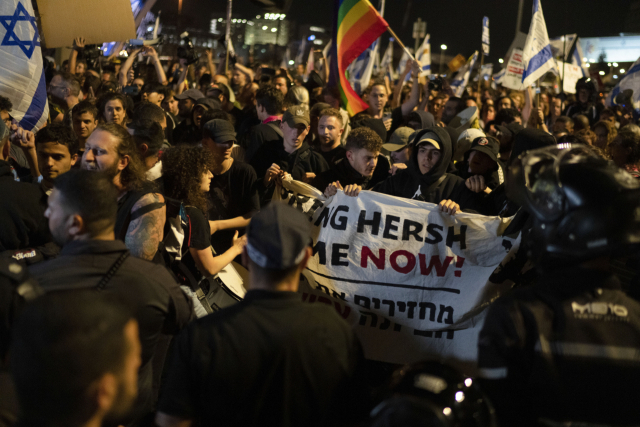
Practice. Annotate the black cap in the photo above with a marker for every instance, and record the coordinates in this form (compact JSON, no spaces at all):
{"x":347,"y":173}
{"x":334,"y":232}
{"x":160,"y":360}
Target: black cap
{"x":278,"y":236}
{"x":511,"y":129}
{"x":219,"y":130}
{"x":487,"y":145}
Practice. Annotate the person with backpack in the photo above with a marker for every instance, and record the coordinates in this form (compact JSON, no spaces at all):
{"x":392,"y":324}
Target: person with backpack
{"x":187,"y":179}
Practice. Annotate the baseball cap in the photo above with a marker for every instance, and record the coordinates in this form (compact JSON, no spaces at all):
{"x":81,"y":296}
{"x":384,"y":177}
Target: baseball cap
{"x":295,"y":115}
{"x":511,"y":129}
{"x":194,"y":94}
{"x":219,"y":130}
{"x":429,"y":138}
{"x":278,"y":236}
{"x":487,"y":145}
{"x":208,"y":104}
{"x":399,"y":139}
{"x":226,"y":91}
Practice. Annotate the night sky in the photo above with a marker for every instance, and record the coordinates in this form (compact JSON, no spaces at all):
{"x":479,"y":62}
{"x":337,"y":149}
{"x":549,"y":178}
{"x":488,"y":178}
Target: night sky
{"x":456,"y":23}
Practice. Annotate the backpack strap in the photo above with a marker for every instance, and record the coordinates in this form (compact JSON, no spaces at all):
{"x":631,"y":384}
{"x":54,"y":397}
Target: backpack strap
{"x":145,"y":210}
{"x":276,"y":128}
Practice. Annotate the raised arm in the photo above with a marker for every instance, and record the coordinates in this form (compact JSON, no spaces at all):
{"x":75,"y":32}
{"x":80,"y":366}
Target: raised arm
{"x":124,"y":70}
{"x":146,"y":231}
{"x":210,"y":64}
{"x":247,"y":71}
{"x":183,"y":75}
{"x":414,"y":96}
{"x":78,"y":43}
{"x":150,"y":52}
{"x":397,"y":92}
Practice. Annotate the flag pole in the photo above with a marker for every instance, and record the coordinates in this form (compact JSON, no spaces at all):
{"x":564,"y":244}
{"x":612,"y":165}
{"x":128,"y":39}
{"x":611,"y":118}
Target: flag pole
{"x":393,"y":34}
{"x":538,"y":125}
{"x":480,"y":76}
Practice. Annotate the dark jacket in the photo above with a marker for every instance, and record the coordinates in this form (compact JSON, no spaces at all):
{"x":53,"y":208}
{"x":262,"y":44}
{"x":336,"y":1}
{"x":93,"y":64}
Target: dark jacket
{"x":492,"y":178}
{"x":186,"y":132}
{"x":22,"y":221}
{"x":298,"y":163}
{"x":159,"y":304}
{"x":261,"y":134}
{"x":565,"y":349}
{"x":341,"y":171}
{"x":434,"y":186}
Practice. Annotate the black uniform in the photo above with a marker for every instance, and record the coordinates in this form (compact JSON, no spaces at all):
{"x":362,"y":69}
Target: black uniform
{"x":434,"y":186}
{"x":22,"y":221}
{"x":565,"y":349}
{"x":159,"y":304}
{"x":268,"y":360}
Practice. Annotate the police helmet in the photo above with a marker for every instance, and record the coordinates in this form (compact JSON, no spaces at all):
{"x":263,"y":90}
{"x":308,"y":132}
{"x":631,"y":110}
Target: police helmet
{"x":448,"y":397}
{"x":583,"y":206}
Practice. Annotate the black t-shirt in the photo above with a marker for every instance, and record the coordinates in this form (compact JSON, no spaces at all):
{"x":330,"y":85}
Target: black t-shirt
{"x":232,"y":194}
{"x":334,"y":155}
{"x":268,"y":360}
{"x":197,"y":236}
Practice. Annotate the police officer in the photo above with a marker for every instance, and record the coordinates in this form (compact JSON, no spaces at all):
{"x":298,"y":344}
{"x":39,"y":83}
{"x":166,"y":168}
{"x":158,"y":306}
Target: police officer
{"x":585,"y":90}
{"x":566,"y":348}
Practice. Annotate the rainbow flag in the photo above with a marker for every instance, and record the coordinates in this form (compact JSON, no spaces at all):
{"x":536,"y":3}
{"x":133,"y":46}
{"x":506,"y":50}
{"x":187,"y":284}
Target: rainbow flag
{"x":358,"y":24}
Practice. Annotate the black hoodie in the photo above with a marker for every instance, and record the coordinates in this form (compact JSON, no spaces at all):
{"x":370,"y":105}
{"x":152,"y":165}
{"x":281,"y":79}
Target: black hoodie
{"x":341,"y":171}
{"x":433,"y":186}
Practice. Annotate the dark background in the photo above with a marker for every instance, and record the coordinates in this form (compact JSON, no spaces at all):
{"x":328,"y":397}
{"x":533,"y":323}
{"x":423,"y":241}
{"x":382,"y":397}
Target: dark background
{"x":456,"y":23}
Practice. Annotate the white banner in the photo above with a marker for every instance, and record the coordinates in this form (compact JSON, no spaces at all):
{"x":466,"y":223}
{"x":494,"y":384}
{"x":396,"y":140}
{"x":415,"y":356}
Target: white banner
{"x":512,"y":78}
{"x":572,"y":73}
{"x":411,"y":280}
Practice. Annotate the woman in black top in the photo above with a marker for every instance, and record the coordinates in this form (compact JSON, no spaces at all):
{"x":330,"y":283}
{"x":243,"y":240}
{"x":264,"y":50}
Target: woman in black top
{"x":187,"y":177}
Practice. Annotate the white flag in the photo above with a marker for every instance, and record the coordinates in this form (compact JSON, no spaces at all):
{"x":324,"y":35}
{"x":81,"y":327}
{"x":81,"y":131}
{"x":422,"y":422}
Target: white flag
{"x":460,"y":83}
{"x":21,"y":70}
{"x":310,"y":65}
{"x":403,"y":62}
{"x":424,"y":57}
{"x":536,"y":55}
{"x":301,"y":49}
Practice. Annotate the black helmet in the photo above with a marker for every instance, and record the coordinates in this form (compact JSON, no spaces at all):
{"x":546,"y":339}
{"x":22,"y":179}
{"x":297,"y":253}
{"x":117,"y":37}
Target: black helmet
{"x":583,"y":206}
{"x":586,"y":83}
{"x":455,"y":400}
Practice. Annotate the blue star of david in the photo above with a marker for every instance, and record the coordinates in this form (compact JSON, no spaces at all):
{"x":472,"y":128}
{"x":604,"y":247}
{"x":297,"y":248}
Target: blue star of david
{"x":11,"y":39}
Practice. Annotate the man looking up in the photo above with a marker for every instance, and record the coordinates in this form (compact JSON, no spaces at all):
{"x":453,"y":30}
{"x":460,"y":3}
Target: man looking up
{"x":356,"y":168}
{"x":65,"y":373}
{"x":141,"y":211}
{"x":330,"y":128}
{"x":84,"y":117}
{"x":259,"y":354}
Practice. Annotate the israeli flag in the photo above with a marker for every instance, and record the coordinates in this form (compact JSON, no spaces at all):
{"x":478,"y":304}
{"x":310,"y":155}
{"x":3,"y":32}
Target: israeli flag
{"x":310,"y":65}
{"x":578,"y":59}
{"x":360,"y":74}
{"x":21,"y":69}
{"x":485,"y":35}
{"x":387,"y":58}
{"x":536,"y":55}
{"x":562,"y":44}
{"x":424,"y":57}
{"x":460,"y":83}
{"x":631,"y":81}
{"x":403,"y":62}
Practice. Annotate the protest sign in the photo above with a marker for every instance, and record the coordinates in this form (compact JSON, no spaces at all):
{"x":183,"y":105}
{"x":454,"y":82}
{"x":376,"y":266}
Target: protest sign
{"x":572,"y":73}
{"x":411,"y":280}
{"x":97,"y":21}
{"x":457,"y":62}
{"x":512,"y":78}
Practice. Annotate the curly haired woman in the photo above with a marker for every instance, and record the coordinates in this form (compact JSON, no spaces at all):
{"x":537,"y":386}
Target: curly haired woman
{"x":187,"y":178}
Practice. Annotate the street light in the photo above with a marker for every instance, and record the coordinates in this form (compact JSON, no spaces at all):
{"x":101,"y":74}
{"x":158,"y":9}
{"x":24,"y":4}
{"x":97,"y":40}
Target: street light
{"x":443,"y":47}
{"x":615,"y":64}
{"x":621,"y":70}
{"x":501,"y":60}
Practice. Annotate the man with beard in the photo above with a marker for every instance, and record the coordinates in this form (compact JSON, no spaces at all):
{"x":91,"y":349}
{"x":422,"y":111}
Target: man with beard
{"x":356,"y":167}
{"x":330,"y":129}
{"x":82,"y":213}
{"x":67,"y":374}
{"x":141,"y":211}
{"x":232,"y":191}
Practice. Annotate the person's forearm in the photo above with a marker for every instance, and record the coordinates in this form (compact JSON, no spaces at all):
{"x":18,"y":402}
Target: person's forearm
{"x":32,"y":159}
{"x":72,"y":60}
{"x":211,"y":65}
{"x":397,"y":91}
{"x":246,"y":71}
{"x":414,"y":98}
{"x":162,"y":77}
{"x":210,"y":265}
{"x":224,"y":224}
{"x":180,"y":85}
{"x":124,"y":70}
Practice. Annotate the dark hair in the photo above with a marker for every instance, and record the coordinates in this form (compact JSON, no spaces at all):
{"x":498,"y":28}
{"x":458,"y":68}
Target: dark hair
{"x":92,"y":195}
{"x":104,"y":99}
{"x":217,"y":113}
{"x":149,"y":111}
{"x":567,"y":121}
{"x":71,"y":82}
{"x":507,"y":115}
{"x":59,"y":133}
{"x":166,"y":91}
{"x":133,"y":176}
{"x":628,"y":139}
{"x":148,"y":132}
{"x":205,"y":80}
{"x":62,"y":344}
{"x":182,"y":170}
{"x":510,"y":101}
{"x":106,"y":88}
{"x":586,"y":137}
{"x":151,"y":88}
{"x":85,"y":107}
{"x":271,"y":99}
{"x":5,"y":104}
{"x":580,"y":122}
{"x":363,"y":137}
{"x":91,"y":81}
{"x":111,"y":73}
{"x":612,"y":132}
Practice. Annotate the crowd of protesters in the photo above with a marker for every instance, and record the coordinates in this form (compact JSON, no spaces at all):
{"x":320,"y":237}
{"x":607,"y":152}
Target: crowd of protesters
{"x":102,"y":325}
